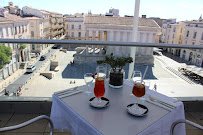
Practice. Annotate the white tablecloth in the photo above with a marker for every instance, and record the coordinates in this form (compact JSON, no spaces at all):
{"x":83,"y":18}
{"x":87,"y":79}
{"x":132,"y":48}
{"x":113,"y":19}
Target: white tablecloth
{"x":64,"y":117}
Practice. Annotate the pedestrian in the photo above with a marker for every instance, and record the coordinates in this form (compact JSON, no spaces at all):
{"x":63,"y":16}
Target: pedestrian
{"x":19,"y":89}
{"x":155,"y":87}
{"x":74,"y":81}
{"x":6,"y":93}
{"x":70,"y":82}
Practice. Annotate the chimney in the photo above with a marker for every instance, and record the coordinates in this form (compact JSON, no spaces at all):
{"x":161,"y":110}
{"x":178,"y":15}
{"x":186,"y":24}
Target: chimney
{"x":2,"y":12}
{"x":10,"y":3}
{"x":144,"y":16}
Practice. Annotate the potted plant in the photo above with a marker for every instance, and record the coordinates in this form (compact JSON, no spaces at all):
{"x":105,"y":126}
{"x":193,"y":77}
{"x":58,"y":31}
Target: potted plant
{"x":116,"y":73}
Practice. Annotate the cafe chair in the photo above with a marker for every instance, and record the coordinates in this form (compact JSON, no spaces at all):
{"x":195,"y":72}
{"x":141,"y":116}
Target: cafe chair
{"x":30,"y":122}
{"x":184,"y":121}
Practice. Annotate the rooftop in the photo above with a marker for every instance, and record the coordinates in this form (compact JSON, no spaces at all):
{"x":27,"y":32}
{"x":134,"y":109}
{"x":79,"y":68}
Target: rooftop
{"x":119,"y":21}
{"x":12,"y":17}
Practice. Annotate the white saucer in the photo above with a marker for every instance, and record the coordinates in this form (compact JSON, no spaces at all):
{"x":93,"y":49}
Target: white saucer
{"x":104,"y":102}
{"x":143,"y":110}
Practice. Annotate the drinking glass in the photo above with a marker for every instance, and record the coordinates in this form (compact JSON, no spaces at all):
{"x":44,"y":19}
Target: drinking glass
{"x":138,"y":91}
{"x":99,"y":88}
{"x":88,"y":80}
{"x":137,"y":76}
{"x":101,"y":71}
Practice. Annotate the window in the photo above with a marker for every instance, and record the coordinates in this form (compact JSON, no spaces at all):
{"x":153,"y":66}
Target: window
{"x":168,"y":37}
{"x":181,"y":30}
{"x":16,"y":31}
{"x":187,"y":34}
{"x":72,"y":26}
{"x":186,"y":42}
{"x":174,"y":29}
{"x":23,"y":29}
{"x":32,"y":33}
{"x":19,"y":29}
{"x":72,"y":34}
{"x":67,"y":26}
{"x":11,"y":30}
{"x":1,"y":33}
{"x":202,"y":36}
{"x":193,"y":43}
{"x":195,"y":34}
{"x":79,"y":27}
{"x":180,"y":37}
{"x":173,"y":36}
{"x":7,"y":32}
{"x":33,"y":47}
{"x":79,"y":34}
{"x":32,"y":24}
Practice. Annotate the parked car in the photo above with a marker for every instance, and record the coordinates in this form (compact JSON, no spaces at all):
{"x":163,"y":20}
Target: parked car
{"x":57,"y":47}
{"x":30,"y":69}
{"x":43,"y":57}
{"x":33,"y":55}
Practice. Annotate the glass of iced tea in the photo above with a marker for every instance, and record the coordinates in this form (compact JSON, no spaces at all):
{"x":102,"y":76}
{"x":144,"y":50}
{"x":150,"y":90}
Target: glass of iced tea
{"x":138,"y":90}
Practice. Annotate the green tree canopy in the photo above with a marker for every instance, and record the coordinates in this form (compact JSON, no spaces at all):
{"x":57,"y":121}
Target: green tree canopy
{"x":23,"y":46}
{"x":5,"y":53}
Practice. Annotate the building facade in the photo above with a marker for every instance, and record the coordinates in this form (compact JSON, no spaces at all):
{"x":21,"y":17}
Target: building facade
{"x":39,"y":26}
{"x":174,"y":35}
{"x":193,"y":36}
{"x":115,"y":28}
{"x":165,"y":25}
{"x":57,"y":26}
{"x":74,"y":27}
{"x":14,"y":27}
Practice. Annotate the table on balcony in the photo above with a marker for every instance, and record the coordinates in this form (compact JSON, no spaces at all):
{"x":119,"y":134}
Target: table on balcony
{"x":73,"y":113}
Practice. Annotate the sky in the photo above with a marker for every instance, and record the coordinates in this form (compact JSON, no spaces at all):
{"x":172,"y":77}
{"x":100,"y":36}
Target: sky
{"x":180,"y":9}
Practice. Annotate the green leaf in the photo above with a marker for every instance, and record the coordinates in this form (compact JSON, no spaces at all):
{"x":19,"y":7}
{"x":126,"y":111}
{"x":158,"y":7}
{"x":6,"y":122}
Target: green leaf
{"x":5,"y":53}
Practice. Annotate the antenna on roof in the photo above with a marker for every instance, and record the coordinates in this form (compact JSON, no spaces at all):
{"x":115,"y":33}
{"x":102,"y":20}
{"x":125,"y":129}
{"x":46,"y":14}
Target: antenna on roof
{"x":89,"y":12}
{"x":200,"y":18}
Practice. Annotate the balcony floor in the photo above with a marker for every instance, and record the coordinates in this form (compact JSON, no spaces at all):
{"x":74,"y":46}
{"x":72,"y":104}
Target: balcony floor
{"x":41,"y":127}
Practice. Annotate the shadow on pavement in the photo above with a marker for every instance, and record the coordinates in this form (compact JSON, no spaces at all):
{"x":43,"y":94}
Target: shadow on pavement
{"x":77,"y":71}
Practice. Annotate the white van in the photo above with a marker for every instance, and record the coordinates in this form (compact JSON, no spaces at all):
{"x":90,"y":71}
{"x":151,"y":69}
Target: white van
{"x":30,"y":69}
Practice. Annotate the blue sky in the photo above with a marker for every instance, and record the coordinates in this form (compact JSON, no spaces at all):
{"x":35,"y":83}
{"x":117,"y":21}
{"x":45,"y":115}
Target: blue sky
{"x":180,"y":9}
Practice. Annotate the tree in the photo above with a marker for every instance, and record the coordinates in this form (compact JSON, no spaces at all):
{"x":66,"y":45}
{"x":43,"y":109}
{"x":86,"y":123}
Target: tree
{"x":5,"y":53}
{"x":23,"y":46}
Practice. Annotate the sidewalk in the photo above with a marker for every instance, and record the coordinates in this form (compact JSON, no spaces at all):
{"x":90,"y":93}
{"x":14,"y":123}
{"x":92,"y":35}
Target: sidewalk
{"x":10,"y":79}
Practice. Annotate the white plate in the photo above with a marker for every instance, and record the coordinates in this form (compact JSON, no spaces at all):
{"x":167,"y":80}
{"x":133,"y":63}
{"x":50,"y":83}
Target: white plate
{"x":143,"y":110}
{"x":104,"y":102}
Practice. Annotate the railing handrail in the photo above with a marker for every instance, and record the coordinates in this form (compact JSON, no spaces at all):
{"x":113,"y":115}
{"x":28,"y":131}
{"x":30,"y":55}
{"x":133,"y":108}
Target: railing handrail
{"x":28,"y":123}
{"x":102,"y":43}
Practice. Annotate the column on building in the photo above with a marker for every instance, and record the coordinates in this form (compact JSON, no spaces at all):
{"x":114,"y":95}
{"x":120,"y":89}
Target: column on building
{"x":124,"y":49}
{"x":87,"y":38}
{"x":93,"y":38}
{"x":150,"y":40}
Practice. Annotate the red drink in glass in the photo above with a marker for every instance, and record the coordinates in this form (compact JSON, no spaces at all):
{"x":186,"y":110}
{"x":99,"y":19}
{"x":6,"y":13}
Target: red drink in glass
{"x":138,"y":89}
{"x":99,"y":88}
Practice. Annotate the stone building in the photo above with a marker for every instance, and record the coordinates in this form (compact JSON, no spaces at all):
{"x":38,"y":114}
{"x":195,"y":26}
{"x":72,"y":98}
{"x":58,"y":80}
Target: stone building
{"x":115,"y":28}
{"x":57,"y":26}
{"x":174,"y":35}
{"x":193,"y":36}
{"x":165,"y":25}
{"x":14,"y":27}
{"x":74,"y":27}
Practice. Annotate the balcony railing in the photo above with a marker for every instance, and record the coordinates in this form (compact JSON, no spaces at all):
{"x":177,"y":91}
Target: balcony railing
{"x":89,"y":49}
